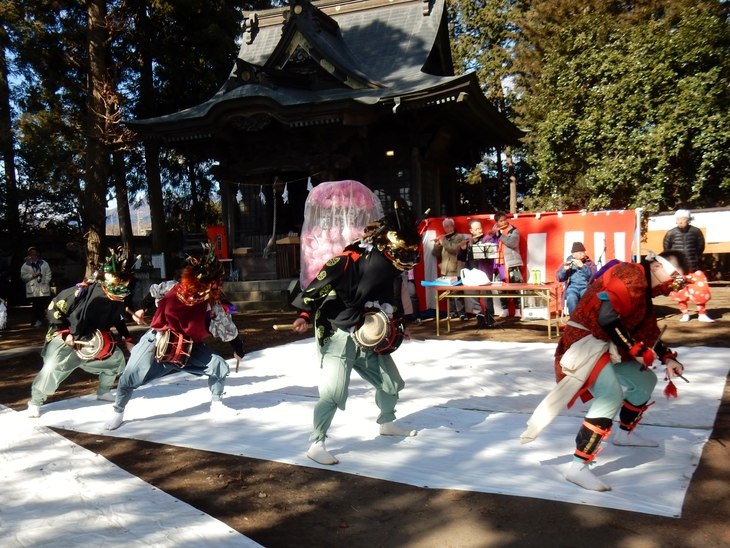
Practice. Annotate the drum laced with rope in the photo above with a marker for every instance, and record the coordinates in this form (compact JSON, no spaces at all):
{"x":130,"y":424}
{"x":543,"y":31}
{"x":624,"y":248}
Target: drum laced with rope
{"x":98,"y":346}
{"x":173,"y":348}
{"x":378,"y":333}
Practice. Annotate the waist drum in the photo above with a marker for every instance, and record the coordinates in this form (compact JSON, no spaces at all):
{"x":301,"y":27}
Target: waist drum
{"x":98,"y":346}
{"x":378,"y":333}
{"x":173,"y":348}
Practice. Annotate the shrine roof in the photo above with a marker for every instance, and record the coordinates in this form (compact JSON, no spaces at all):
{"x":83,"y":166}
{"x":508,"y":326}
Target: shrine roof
{"x":363,"y":52}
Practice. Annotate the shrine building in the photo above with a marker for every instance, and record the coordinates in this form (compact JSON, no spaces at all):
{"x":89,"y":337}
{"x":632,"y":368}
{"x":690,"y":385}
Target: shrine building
{"x":333,"y":90}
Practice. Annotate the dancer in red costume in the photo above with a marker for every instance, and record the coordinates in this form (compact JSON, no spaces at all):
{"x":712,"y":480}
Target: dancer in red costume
{"x":611,"y":340}
{"x":192,"y":308}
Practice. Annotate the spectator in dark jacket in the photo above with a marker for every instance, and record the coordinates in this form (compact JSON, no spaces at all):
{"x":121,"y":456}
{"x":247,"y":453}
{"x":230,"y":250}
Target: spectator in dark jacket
{"x":689,"y":240}
{"x":577,"y":270}
{"x":686,"y":238}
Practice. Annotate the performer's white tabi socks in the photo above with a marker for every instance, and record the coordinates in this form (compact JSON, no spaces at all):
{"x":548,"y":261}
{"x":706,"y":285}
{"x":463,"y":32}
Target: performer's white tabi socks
{"x":392,"y":429}
{"x":115,"y":422}
{"x":581,"y":475}
{"x":220,"y":411}
{"x":108,"y":396}
{"x":632,"y":439}
{"x":33,"y":411}
{"x":318,"y":453}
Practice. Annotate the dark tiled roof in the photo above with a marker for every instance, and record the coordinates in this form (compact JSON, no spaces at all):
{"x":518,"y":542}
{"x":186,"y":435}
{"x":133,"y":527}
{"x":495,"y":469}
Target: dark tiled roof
{"x":376,"y":51}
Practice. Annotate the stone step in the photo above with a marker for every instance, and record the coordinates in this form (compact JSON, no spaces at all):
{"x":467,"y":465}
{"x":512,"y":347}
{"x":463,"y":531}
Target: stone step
{"x":262,"y":306}
{"x":256,"y":285}
{"x":260,"y":295}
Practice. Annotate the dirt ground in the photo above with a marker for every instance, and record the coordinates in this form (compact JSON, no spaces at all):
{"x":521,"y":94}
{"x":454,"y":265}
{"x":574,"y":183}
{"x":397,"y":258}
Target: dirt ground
{"x":280,"y":505}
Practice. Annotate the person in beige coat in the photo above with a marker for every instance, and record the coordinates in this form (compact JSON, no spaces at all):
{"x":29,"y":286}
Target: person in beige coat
{"x":446,"y":248}
{"x":36,"y":274}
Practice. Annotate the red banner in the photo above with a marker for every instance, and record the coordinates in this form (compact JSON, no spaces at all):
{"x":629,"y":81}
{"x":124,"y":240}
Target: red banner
{"x":545,"y":241}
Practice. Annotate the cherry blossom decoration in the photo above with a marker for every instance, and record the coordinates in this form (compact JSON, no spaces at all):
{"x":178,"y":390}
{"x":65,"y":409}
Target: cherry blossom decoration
{"x":335,"y":214}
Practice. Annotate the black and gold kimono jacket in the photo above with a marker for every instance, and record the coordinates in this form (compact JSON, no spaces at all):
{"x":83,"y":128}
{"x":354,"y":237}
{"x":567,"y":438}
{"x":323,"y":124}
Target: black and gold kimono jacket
{"x":82,"y":309}
{"x":336,"y":297}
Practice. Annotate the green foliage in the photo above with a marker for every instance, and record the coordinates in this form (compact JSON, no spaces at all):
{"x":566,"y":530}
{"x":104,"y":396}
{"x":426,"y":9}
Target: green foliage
{"x":629,"y":105}
{"x":626,"y":104}
{"x":191,"y":47}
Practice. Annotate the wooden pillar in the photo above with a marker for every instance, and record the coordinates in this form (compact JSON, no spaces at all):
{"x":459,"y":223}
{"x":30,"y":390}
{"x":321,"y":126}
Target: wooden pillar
{"x":416,"y":180}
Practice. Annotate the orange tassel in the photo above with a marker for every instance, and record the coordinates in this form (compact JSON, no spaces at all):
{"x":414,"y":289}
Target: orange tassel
{"x":670,"y":391}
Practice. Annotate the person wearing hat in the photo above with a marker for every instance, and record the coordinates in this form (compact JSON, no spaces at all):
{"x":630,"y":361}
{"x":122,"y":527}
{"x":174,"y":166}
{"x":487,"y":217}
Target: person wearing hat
{"x":610,"y":342}
{"x":689,"y":240}
{"x":36,"y":274}
{"x":78,"y":316}
{"x":577,"y":270}
{"x":351,"y":284}
{"x":188,"y":311}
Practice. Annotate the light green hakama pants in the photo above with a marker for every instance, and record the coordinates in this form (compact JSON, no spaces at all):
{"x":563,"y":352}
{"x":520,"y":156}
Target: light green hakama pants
{"x":60,"y":360}
{"x":339,"y":356}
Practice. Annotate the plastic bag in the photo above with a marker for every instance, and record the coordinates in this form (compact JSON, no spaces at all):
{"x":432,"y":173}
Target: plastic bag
{"x":474,"y":276}
{"x":335,"y":214}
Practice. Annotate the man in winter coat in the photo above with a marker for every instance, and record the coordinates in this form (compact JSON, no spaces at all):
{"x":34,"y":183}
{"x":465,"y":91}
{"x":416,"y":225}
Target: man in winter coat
{"x":36,"y":274}
{"x":446,"y":248}
{"x":577,"y":270}
{"x":689,"y":240}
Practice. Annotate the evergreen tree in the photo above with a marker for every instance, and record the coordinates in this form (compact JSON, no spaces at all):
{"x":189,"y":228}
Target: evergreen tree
{"x":627,"y":103}
{"x":483,"y":38}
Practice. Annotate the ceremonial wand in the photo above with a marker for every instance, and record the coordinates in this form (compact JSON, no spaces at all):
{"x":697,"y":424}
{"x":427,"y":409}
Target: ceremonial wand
{"x":657,"y":342}
{"x":670,"y":391}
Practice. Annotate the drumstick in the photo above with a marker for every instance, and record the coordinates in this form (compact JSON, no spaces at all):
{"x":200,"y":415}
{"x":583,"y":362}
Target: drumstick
{"x":84,"y":343}
{"x":657,"y":342}
{"x":238,"y":362}
{"x":284,"y":327}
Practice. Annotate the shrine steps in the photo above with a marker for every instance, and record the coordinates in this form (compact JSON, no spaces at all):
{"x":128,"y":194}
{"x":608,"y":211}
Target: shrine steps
{"x":259,"y":295}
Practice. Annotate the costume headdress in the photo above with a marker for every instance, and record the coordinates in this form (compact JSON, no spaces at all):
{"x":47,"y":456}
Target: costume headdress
{"x":116,"y":274}
{"x":673,"y":268}
{"x":396,"y":236}
{"x":202,"y":278}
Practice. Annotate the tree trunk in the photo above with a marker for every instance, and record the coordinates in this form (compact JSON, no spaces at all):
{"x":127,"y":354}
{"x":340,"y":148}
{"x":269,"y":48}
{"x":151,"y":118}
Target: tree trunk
{"x":154,"y":195}
{"x":194,"y":196}
{"x":120,"y":184}
{"x":7,"y":147}
{"x":96,"y":151}
{"x":151,"y":148}
{"x":512,"y":181}
{"x":499,"y":189}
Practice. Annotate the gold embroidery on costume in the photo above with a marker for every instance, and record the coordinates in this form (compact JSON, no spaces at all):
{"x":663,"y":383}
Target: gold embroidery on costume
{"x":333,"y":261}
{"x":321,"y":276}
{"x":325,"y":290}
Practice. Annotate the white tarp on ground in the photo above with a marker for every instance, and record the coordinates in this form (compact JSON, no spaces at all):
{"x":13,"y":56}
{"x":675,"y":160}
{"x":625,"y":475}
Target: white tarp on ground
{"x":468,"y":400}
{"x":56,"y":493}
